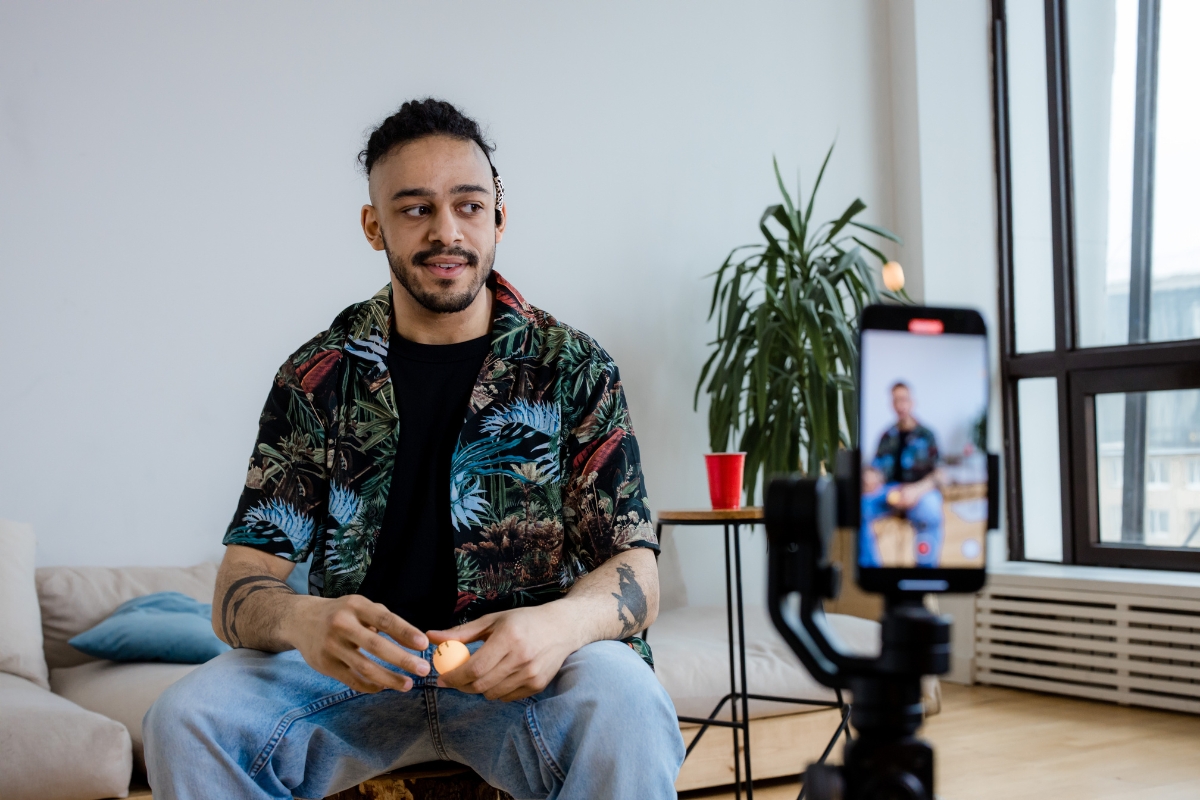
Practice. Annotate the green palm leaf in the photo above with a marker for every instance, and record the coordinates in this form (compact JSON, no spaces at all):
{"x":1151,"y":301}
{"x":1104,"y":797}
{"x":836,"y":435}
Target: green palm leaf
{"x":782,"y":373}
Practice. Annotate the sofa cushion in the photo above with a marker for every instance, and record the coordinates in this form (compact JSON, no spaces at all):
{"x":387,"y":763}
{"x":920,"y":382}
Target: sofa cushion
{"x":74,"y":599}
{"x":165,"y":626}
{"x":691,"y":658}
{"x":20,"y":620}
{"x":55,"y":750}
{"x":123,"y":692}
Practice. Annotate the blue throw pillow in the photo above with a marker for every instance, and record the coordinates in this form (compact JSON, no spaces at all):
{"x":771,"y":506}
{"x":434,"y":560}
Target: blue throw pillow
{"x":167,"y":626}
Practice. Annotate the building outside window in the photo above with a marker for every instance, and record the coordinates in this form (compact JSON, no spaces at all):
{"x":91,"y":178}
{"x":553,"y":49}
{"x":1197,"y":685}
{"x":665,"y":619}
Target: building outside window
{"x":1158,"y":472}
{"x":1098,"y":163}
{"x":1193,"y":473}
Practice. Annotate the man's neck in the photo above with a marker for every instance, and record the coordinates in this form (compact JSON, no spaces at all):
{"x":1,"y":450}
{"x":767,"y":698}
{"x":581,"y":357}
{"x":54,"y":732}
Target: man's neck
{"x":907,"y":424}
{"x":418,"y":324}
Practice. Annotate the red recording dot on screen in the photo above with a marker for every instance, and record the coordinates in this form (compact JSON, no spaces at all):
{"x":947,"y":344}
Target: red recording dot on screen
{"x":923,"y":548}
{"x":927,"y":326}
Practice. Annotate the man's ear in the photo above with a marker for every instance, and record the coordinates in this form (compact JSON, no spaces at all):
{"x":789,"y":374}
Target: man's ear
{"x":371,"y":229}
{"x":501,"y":221}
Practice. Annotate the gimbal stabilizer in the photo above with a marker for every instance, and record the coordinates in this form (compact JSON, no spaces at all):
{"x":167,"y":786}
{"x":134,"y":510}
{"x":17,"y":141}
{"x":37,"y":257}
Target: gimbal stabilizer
{"x":885,"y":760}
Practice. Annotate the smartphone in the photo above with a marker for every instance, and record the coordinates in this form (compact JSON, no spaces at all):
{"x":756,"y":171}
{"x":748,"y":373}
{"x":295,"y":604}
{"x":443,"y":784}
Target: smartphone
{"x":924,"y":472}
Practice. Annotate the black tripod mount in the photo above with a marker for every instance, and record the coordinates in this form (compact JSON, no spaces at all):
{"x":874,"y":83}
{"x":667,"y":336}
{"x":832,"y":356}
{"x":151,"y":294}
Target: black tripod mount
{"x":885,"y":761}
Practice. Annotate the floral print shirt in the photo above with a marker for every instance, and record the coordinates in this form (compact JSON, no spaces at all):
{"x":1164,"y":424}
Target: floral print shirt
{"x":906,"y":456}
{"x":545,"y":481}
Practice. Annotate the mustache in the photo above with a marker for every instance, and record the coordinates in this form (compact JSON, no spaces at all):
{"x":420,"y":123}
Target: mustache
{"x":471,"y":258}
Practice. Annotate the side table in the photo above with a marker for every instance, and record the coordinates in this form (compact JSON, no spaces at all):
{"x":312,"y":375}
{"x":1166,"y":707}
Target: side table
{"x":732,"y":521}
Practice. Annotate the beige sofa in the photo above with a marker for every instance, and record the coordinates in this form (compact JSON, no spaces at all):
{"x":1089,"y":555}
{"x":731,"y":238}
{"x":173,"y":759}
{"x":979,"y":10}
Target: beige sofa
{"x":70,"y":725}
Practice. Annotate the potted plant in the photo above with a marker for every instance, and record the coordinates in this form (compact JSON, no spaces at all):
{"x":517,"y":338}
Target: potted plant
{"x":782,"y":376}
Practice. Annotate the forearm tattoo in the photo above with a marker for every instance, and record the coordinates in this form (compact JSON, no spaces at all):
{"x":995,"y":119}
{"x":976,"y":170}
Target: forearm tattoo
{"x":238,"y":593}
{"x":630,"y":598}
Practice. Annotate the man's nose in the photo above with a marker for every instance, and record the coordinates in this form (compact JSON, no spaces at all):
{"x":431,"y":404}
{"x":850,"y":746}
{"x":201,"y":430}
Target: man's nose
{"x":444,"y":228}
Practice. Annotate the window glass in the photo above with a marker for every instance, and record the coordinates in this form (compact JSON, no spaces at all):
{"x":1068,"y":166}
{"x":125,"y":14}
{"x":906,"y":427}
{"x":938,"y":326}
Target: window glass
{"x":1103,"y":42}
{"x":1029,"y":157}
{"x":1175,"y":264}
{"x":1041,"y":498}
{"x":1168,"y":492}
{"x":1102,"y":47}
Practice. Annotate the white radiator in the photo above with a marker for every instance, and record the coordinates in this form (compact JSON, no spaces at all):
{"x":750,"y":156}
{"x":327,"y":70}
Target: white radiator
{"x":1132,"y":649}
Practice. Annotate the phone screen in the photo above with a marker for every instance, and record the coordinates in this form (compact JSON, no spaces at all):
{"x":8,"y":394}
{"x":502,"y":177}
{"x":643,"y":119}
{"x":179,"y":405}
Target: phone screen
{"x":923,"y":401}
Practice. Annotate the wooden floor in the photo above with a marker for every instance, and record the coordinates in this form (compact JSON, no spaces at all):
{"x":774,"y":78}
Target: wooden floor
{"x":1000,"y":743}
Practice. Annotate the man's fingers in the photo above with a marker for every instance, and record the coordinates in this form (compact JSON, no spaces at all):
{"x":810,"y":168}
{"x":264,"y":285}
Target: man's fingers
{"x":483,"y":662}
{"x":393,"y":654}
{"x":519,"y":694}
{"x":468,"y":632}
{"x":357,"y":682}
{"x":376,"y":615}
{"x":513,"y":686}
{"x":486,"y":681}
{"x":375,"y":674}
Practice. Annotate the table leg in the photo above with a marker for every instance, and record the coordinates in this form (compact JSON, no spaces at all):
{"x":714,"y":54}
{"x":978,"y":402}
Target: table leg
{"x":741,"y":624}
{"x":737,"y":767}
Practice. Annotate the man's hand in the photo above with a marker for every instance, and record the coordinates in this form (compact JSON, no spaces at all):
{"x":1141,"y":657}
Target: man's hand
{"x":524,"y":648}
{"x":331,"y":633}
{"x":908,"y":495}
{"x":254,"y":607}
{"x":522,"y":652}
{"x":872,"y":480}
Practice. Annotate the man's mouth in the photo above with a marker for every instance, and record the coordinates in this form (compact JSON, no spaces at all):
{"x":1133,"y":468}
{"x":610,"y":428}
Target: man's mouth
{"x":445,"y":263}
{"x":443,"y":267}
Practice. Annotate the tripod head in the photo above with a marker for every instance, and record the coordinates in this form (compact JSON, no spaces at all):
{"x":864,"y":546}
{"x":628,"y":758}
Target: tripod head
{"x":886,"y":760}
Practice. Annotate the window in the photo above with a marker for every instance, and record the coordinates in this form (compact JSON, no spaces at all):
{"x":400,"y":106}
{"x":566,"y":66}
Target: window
{"x":1191,"y":536}
{"x":1158,"y":473}
{"x":1100,"y":278}
{"x":1193,"y":473}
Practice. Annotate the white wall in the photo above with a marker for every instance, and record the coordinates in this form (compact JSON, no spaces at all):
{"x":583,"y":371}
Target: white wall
{"x":957,"y":200}
{"x":179,"y":206}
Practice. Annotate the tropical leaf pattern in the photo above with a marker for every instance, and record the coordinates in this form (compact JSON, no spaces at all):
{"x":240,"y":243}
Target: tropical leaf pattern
{"x":545,"y":482}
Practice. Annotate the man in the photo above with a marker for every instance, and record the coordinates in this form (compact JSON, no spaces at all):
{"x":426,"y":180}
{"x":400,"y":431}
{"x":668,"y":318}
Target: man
{"x":458,"y":465}
{"x":903,"y":480}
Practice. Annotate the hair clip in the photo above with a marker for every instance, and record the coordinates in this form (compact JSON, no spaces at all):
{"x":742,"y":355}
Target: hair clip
{"x":499,"y":191}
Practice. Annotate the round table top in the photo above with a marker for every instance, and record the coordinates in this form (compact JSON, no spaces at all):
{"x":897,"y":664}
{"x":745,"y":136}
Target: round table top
{"x":709,"y":516}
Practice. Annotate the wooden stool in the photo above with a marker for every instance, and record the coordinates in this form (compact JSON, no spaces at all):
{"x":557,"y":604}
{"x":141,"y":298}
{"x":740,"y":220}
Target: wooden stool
{"x":435,"y":780}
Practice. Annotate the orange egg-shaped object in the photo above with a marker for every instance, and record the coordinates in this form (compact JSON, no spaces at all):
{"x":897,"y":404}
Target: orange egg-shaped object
{"x":893,"y":498}
{"x":893,"y":276}
{"x":449,"y":656}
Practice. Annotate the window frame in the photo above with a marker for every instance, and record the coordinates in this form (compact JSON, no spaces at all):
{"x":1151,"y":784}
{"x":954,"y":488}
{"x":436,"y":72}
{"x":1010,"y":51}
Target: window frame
{"x":1079,"y":373}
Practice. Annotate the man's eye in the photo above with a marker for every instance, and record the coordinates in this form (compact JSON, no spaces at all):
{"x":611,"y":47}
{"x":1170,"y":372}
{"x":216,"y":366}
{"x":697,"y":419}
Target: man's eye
{"x":472,"y":208}
{"x":416,"y":211}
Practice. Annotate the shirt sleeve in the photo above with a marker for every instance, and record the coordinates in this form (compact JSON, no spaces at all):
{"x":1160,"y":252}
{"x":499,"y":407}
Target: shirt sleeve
{"x":287,"y":487}
{"x":605,"y":508}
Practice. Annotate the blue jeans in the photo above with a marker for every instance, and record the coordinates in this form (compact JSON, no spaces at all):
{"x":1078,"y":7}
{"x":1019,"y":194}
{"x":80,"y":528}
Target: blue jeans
{"x":250,"y":724}
{"x":926,"y":519}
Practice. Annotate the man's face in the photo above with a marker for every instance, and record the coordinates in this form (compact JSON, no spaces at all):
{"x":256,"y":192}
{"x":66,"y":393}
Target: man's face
{"x":433,"y":211}
{"x":901,"y":402}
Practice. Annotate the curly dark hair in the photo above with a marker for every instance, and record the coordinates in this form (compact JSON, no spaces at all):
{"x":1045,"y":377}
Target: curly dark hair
{"x":417,"y":119}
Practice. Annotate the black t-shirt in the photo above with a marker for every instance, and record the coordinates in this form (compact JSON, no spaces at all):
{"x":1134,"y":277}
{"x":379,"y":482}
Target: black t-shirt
{"x":412,"y":571}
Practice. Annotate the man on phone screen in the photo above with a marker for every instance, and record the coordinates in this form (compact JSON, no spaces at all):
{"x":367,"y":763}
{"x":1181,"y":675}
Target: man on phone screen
{"x":457,"y":465}
{"x":903,"y":481}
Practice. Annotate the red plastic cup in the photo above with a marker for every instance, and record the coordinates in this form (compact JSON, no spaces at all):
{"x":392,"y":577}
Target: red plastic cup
{"x":725,"y":479}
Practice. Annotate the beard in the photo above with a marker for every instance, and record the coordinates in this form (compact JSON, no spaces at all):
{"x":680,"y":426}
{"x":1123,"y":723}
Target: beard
{"x":443,"y":300}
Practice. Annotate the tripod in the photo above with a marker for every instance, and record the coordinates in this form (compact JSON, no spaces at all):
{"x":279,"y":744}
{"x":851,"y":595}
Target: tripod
{"x":885,"y":761}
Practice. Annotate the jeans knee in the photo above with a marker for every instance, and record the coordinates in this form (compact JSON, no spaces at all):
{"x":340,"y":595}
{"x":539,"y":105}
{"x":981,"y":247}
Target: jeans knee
{"x":615,"y":680}
{"x":177,"y":714}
